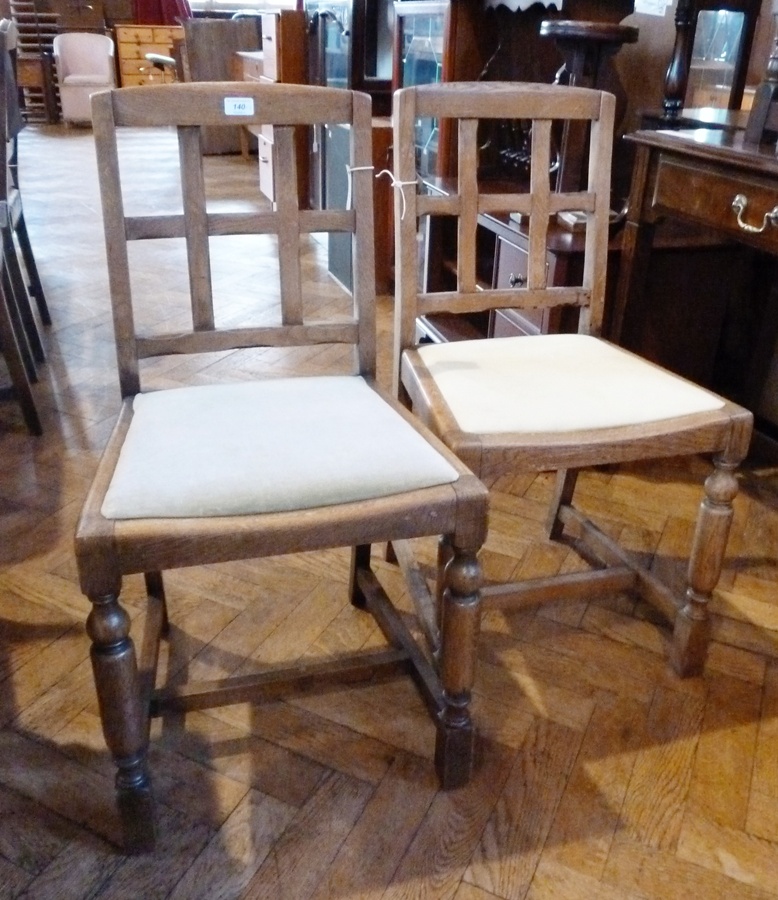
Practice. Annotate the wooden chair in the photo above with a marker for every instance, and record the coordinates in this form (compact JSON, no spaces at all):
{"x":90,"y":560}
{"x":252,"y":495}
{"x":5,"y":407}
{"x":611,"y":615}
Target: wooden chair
{"x":553,"y":401}
{"x":13,"y":226}
{"x":277,"y":465}
{"x":20,"y":341}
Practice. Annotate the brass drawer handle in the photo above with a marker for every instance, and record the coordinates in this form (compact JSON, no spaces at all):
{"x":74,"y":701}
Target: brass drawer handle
{"x":739,"y":205}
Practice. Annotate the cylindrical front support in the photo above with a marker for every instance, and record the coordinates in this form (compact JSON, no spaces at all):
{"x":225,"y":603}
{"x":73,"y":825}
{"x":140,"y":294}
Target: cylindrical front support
{"x":460,"y":626}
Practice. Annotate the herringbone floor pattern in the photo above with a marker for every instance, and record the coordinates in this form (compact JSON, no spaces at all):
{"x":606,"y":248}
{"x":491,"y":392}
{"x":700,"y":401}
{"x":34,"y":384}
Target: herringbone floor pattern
{"x":601,"y":774}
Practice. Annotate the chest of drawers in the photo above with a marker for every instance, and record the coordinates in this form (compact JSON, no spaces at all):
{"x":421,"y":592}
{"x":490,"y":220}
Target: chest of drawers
{"x":133,"y":42}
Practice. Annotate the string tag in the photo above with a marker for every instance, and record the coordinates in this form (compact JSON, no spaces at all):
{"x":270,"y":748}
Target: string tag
{"x":350,"y":171}
{"x":398,"y":185}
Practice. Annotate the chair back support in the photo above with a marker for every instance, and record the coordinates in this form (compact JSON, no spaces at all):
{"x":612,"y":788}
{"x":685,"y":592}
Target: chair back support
{"x":11,"y":122}
{"x":323,"y":318}
{"x":546,"y":108}
{"x":84,"y":53}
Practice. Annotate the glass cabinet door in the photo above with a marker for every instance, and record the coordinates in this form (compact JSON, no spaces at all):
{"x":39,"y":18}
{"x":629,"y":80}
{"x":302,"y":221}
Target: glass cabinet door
{"x":715,"y":53}
{"x":421,"y":40}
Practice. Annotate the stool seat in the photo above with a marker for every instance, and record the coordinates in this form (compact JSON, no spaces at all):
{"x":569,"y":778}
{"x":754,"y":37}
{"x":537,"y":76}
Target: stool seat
{"x":589,"y":32}
{"x":587,"y":48}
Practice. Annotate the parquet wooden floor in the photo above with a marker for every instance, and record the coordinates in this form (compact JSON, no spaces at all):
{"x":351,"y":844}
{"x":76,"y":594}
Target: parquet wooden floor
{"x":601,"y":774}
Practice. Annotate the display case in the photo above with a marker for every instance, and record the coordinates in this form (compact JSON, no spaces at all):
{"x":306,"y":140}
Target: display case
{"x":718,"y":39}
{"x":349,"y":46}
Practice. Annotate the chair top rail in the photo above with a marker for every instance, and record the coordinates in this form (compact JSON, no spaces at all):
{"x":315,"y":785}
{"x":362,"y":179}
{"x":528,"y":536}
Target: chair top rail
{"x":508,"y":100}
{"x":229,"y":103}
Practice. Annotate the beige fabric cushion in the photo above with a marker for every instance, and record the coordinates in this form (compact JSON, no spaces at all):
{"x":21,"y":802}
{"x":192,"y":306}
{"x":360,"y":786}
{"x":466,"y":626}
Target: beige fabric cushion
{"x":556,"y":383}
{"x":285,"y":444}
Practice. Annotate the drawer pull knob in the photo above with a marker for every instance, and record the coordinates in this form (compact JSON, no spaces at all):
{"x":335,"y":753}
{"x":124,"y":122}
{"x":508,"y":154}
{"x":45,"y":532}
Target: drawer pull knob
{"x":516,"y":280}
{"x":739,"y":205}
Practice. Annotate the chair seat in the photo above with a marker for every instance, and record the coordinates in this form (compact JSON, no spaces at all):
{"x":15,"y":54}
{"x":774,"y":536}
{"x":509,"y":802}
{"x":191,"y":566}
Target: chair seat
{"x":289,"y":443}
{"x":556,"y":383}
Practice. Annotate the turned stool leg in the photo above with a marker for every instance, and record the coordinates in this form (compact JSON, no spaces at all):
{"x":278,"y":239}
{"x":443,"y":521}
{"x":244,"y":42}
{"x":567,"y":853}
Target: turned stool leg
{"x":125,"y":724}
{"x":692,"y":626}
{"x":460,"y":625}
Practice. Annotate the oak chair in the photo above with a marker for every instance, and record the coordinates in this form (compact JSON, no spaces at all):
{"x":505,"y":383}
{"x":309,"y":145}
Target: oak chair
{"x":12,"y":123}
{"x":268,"y":466}
{"x":552,"y":401}
{"x":20,"y":339}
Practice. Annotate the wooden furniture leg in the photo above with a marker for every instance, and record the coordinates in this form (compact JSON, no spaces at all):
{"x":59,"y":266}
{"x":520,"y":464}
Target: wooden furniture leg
{"x":692,"y":625}
{"x":460,"y":625}
{"x":16,"y":366}
{"x":22,"y":298}
{"x":18,"y":323}
{"x":563,"y":496}
{"x":124,"y":719}
{"x":36,"y":288}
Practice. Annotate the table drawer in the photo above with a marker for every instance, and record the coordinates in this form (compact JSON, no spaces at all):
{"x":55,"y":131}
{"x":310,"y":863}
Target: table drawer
{"x":265,"y":156}
{"x":252,"y":68}
{"x":706,"y":195}
{"x":134,"y":34}
{"x":139,"y":51}
{"x":270,"y":46}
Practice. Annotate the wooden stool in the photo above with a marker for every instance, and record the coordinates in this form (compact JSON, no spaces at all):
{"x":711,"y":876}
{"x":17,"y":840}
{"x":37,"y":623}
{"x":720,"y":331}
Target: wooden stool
{"x":586,"y":48}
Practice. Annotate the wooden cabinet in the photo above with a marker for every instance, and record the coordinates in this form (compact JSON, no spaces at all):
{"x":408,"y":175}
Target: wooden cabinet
{"x":282,"y":58}
{"x":695,"y":285}
{"x":510,"y":270}
{"x":209,"y":50}
{"x":133,"y":42}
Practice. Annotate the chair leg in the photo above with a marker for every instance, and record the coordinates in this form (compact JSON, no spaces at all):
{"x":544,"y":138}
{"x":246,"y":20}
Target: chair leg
{"x":155,"y":587}
{"x":360,"y":559}
{"x":17,"y":323}
{"x":36,"y":288}
{"x":19,"y":288}
{"x":16,"y":366}
{"x":445,"y":555}
{"x":461,"y":622}
{"x":692,"y":625}
{"x":563,"y":495}
{"x":125,"y":722}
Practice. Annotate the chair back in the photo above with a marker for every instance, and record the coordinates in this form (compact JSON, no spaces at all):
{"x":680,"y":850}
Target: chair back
{"x":84,"y":53}
{"x":545,"y":109}
{"x":11,"y":122}
{"x":172,"y":203}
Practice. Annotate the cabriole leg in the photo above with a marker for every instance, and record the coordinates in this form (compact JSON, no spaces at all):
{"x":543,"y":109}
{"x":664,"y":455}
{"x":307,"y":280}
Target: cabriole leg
{"x":460,"y":626}
{"x":125,"y":723}
{"x":692,"y":626}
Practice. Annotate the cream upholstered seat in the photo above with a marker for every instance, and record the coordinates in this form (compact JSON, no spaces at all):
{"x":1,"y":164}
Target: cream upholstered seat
{"x":551,"y":401}
{"x":200,"y":473}
{"x":199,"y":451}
{"x":570,"y":382}
{"x":84,"y":63}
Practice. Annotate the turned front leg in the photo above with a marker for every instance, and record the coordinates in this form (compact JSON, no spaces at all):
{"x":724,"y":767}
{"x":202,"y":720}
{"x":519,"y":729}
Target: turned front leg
{"x":460,"y":627}
{"x":125,"y":723}
{"x":692,"y":625}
